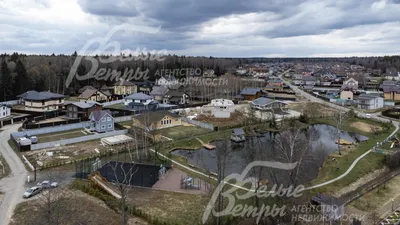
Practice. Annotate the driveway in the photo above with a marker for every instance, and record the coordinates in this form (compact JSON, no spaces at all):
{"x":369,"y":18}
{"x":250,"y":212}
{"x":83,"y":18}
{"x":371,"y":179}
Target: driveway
{"x":14,"y":185}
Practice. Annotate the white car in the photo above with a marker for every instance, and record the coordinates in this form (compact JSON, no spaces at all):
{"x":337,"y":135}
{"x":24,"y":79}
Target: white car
{"x":47,"y":184}
{"x":368,"y":116}
{"x":32,"y":191}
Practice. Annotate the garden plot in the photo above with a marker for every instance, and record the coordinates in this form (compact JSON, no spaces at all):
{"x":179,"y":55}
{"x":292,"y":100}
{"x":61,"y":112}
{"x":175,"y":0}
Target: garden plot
{"x":63,"y":135}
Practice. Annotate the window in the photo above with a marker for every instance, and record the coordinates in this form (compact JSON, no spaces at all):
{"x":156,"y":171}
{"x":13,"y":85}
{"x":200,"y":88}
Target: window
{"x":170,"y":121}
{"x":162,"y":122}
{"x":110,"y":125}
{"x":43,"y":102}
{"x":103,"y":127}
{"x":103,"y":120}
{"x":108,"y":119}
{"x":176,"y":120}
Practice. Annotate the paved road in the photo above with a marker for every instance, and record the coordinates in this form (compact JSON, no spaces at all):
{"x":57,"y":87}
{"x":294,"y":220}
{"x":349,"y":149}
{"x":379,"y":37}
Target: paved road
{"x":13,"y":185}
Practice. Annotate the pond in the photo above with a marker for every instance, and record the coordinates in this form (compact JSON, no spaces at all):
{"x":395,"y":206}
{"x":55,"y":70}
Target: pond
{"x":322,"y":139}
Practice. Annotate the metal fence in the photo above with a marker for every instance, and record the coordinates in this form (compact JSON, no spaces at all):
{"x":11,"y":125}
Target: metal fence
{"x":122,"y":119}
{"x":76,"y":140}
{"x":54,"y":129}
{"x":14,"y":102}
{"x":198,"y":123}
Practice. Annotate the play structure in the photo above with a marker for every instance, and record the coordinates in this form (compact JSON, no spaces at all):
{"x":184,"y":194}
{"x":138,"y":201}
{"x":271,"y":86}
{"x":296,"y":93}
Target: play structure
{"x":102,"y":183}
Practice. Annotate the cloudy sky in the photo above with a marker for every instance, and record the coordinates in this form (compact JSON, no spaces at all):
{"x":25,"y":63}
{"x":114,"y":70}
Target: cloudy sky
{"x":220,"y":28}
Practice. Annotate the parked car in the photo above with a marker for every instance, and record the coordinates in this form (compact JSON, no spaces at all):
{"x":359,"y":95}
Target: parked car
{"x":368,"y":116}
{"x":47,"y":184}
{"x":32,"y":191}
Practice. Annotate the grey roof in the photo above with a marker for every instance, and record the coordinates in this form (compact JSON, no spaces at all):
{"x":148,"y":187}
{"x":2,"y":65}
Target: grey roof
{"x":154,"y":116}
{"x":367,"y":97}
{"x":391,"y":88}
{"x":80,"y":91}
{"x":250,"y":91}
{"x":238,"y":131}
{"x":262,"y":101}
{"x":83,"y":105}
{"x":159,"y":91}
{"x":87,"y":93}
{"x":139,"y":96}
{"x":308,"y":78}
{"x":45,"y":95}
{"x":97,"y":115}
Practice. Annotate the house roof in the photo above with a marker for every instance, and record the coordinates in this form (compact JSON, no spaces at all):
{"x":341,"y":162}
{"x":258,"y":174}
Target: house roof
{"x":81,"y":90}
{"x":174,"y":93}
{"x":238,"y":131}
{"x":139,"y":96}
{"x":250,"y":91}
{"x":391,"y":88}
{"x":97,"y":115}
{"x":368,"y":97}
{"x":83,"y":105}
{"x":308,"y":78}
{"x":154,"y":116}
{"x":262,"y":101}
{"x":87,"y":93}
{"x":159,"y":91}
{"x":45,"y":95}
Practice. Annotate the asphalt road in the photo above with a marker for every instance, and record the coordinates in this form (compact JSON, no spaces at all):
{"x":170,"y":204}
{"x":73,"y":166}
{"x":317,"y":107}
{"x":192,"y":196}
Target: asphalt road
{"x":14,"y":185}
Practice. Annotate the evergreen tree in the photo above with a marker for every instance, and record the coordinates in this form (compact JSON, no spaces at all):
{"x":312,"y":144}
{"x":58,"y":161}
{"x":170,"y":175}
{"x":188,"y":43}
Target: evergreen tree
{"x":22,"y":83}
{"x":6,"y":83}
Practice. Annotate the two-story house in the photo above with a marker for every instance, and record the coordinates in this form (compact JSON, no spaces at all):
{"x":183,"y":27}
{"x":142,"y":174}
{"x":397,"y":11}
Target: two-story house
{"x":370,"y":102}
{"x":140,"y":101}
{"x":350,"y":85}
{"x":95,"y":96}
{"x":5,"y":111}
{"x":274,"y":85}
{"x":124,"y":88}
{"x":159,"y":92}
{"x":41,"y":101}
{"x":176,"y":98}
{"x":81,"y":110}
{"x":168,"y":81}
{"x":391,"y":92}
{"x":309,"y":80}
{"x":250,"y":94}
{"x":101,"y":121}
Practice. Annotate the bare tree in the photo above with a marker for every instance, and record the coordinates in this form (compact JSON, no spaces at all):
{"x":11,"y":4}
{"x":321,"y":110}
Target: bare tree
{"x":340,"y":118}
{"x":123,"y":177}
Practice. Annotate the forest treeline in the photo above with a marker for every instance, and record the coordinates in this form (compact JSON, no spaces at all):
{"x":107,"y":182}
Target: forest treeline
{"x":20,"y":72}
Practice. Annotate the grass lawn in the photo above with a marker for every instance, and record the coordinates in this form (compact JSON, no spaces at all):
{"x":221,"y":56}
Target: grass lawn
{"x":179,"y":208}
{"x":62,"y":135}
{"x":366,"y":165}
{"x":180,"y":132}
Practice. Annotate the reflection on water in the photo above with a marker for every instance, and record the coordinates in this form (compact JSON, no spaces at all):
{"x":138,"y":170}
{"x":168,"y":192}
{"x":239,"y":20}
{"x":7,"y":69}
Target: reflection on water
{"x":240,"y":155}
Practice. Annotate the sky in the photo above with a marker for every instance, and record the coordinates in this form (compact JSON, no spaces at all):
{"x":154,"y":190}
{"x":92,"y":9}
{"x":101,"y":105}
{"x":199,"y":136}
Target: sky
{"x":218,"y":28}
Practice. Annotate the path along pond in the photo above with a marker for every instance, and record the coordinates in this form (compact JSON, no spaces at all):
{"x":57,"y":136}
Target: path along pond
{"x":322,"y":139}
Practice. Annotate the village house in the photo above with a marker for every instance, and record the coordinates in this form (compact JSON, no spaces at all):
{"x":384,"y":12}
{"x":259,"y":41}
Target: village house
{"x":250,"y":94}
{"x":83,"y":89}
{"x":157,"y":120}
{"x":274,"y":85}
{"x":41,"y":101}
{"x":267,"y":104}
{"x":391,"y":92}
{"x":209,"y":73}
{"x":346,"y":95}
{"x":94,"y":95}
{"x":176,"y":98}
{"x":124,"y":88}
{"x":140,"y":101}
{"x":101,"y":121}
{"x":219,"y":108}
{"x":370,"y":102}
{"x":5,"y":111}
{"x":81,"y":110}
{"x":309,"y":80}
{"x":144,"y":87}
{"x":168,"y":81}
{"x":159,"y":92}
{"x":350,"y":85}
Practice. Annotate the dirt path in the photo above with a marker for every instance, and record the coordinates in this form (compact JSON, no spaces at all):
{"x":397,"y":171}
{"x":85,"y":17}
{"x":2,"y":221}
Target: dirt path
{"x":13,"y":185}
